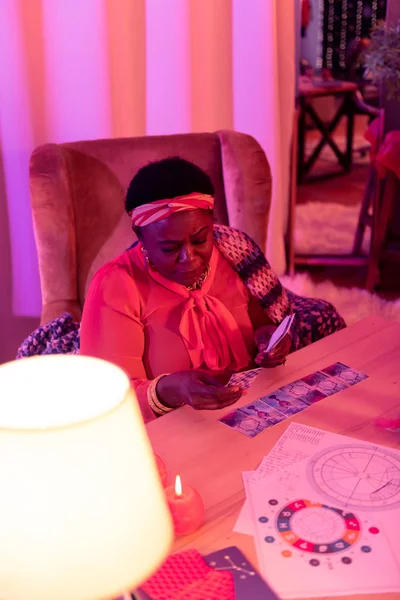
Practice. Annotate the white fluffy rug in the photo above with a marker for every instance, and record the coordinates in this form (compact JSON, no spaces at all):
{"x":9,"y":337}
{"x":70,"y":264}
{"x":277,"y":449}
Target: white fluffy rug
{"x":329,"y":229}
{"x":326,"y":228}
{"x":352,"y":303}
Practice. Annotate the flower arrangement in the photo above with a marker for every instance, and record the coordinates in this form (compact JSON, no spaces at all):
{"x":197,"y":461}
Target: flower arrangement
{"x":382,"y":58}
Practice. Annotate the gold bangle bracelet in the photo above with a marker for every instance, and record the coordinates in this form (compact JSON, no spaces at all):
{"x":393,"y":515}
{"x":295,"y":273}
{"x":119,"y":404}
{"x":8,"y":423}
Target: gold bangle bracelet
{"x":154,"y":408}
{"x":153,"y":399}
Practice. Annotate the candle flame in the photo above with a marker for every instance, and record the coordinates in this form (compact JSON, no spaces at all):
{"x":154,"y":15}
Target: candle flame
{"x":178,"y":486}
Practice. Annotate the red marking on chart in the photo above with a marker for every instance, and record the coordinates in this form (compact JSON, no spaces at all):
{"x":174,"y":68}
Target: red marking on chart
{"x":373,"y":530}
{"x":297,"y":505}
{"x":303,"y":545}
{"x":352,"y":524}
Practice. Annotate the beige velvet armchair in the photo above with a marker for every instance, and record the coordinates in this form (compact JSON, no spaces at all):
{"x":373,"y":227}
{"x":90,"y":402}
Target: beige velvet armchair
{"x":77,"y":197}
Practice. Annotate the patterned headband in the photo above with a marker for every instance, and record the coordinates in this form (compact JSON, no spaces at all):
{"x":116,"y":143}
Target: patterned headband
{"x":161,"y":209}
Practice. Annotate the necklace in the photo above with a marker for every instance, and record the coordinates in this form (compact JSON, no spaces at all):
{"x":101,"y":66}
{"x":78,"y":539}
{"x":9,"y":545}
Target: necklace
{"x":190,"y":288}
{"x":197,"y":284}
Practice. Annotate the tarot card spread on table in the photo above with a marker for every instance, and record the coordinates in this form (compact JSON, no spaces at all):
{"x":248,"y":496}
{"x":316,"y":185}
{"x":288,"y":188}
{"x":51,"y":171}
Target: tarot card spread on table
{"x":253,"y":418}
{"x":284,"y":403}
{"x":289,"y":399}
{"x":345,"y":374}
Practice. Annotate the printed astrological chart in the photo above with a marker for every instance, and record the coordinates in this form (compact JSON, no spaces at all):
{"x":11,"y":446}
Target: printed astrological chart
{"x":329,"y":524}
{"x":317,"y":533}
{"x":362,"y":477}
{"x":307,"y":547}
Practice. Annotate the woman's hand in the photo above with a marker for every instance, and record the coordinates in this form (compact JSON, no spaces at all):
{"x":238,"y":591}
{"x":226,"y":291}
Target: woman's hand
{"x":196,"y":388}
{"x":278,"y":355}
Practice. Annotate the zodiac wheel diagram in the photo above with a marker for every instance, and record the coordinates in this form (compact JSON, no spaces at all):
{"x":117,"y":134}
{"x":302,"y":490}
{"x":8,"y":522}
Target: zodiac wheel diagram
{"x":318,"y":533}
{"x":317,"y":528}
{"x":357,"y":476}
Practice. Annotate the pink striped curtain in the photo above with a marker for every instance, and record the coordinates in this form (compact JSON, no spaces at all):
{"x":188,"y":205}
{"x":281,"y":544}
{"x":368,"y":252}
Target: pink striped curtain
{"x":85,"y":69}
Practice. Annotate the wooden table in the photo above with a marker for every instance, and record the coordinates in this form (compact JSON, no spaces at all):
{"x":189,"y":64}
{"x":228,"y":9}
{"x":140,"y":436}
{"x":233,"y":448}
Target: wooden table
{"x":211,"y":456}
{"x":307,"y":93}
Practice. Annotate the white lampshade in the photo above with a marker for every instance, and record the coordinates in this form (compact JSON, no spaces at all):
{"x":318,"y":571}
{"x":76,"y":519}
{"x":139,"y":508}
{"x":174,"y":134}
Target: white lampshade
{"x":83,"y":515}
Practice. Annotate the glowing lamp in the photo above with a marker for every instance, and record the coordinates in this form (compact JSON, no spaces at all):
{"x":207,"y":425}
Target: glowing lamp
{"x":83,"y":514}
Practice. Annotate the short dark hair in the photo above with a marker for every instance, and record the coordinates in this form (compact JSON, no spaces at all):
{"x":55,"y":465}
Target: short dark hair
{"x":166,"y":178}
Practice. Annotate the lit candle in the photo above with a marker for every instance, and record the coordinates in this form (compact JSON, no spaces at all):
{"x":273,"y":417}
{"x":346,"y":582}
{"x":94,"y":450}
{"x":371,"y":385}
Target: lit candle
{"x":162,"y":469}
{"x":186,"y":507}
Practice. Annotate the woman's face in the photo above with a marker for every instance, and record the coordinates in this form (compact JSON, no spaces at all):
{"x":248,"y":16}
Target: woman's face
{"x":180,"y":246}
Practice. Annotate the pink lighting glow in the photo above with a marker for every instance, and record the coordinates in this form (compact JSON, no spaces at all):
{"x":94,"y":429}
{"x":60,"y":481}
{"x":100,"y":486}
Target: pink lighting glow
{"x":167,"y":67}
{"x":263,"y":94}
{"x":77,"y":71}
{"x":92,"y":69}
{"x":16,"y":145}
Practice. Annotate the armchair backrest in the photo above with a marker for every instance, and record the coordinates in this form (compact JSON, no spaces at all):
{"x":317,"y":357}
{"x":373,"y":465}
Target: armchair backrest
{"x":78,"y":191}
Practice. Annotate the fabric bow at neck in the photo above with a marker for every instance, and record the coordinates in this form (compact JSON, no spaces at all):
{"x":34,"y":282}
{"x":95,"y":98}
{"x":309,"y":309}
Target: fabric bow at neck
{"x":208,"y":329}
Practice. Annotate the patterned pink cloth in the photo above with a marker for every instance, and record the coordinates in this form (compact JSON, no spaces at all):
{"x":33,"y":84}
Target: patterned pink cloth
{"x":186,"y":576}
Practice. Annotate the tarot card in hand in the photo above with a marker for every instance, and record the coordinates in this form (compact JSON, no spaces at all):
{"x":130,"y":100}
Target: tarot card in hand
{"x":280,"y":333}
{"x":244,"y":379}
{"x":253,"y":418}
{"x":345,"y":374}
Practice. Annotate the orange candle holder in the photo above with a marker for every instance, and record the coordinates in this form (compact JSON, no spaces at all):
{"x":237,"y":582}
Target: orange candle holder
{"x":186,"y":506}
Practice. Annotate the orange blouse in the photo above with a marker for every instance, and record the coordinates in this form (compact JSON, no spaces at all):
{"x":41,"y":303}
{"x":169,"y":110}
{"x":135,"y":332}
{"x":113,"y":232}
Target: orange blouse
{"x":133,"y":317}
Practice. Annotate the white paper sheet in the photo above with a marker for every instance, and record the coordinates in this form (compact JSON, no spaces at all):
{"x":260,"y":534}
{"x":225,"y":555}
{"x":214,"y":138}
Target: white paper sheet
{"x":332,"y":520}
{"x":293,"y":446}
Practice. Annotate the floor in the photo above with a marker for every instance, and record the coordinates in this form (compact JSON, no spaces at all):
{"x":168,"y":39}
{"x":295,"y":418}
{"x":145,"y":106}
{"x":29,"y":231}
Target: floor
{"x":343,"y":188}
{"x":337,"y":186}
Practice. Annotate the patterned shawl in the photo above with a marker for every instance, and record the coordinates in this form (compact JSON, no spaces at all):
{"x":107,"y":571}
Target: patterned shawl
{"x":314,"y":319}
